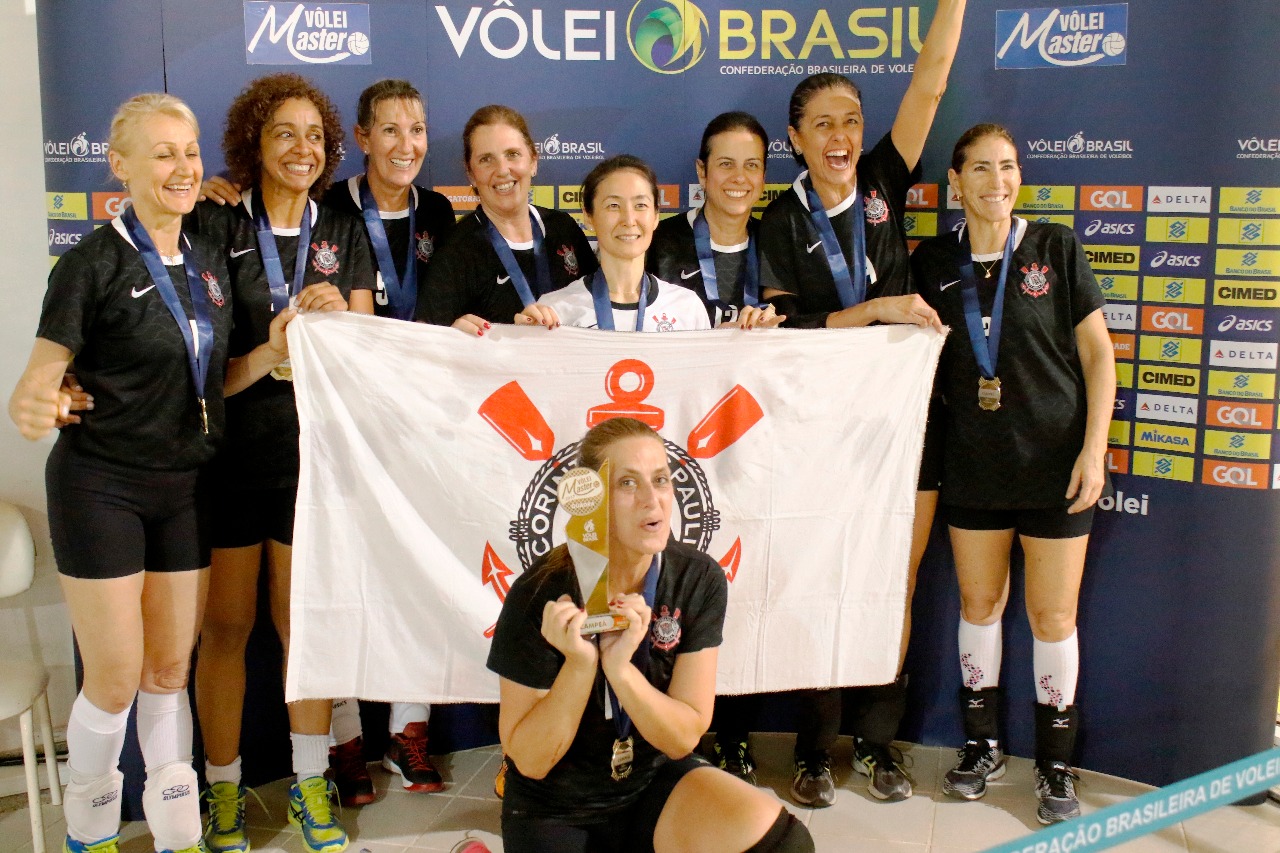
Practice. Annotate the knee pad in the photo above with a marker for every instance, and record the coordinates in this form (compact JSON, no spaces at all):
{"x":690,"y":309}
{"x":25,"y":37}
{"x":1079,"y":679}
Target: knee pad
{"x":787,"y":835}
{"x":92,"y":809}
{"x":171,"y":802}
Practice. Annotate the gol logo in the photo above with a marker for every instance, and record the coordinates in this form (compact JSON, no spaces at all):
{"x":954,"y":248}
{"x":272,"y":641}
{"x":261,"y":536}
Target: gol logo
{"x":109,"y":205}
{"x":628,"y":383}
{"x":1111,"y":198}
{"x":1241,"y":415}
{"x":1185,"y":321}
{"x":1239,"y":475}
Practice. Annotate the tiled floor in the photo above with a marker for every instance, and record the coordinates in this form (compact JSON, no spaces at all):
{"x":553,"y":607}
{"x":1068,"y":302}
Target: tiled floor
{"x":927,"y":823}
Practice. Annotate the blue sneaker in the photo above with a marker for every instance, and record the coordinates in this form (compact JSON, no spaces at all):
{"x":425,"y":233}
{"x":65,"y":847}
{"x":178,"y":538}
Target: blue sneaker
{"x":311,"y":810}
{"x":103,"y":845}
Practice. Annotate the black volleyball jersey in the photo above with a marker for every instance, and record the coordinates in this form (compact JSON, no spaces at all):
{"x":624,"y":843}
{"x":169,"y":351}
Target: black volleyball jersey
{"x":688,"y":616}
{"x":467,"y":277}
{"x":130,"y":353}
{"x":673,"y":257}
{"x":433,"y":220}
{"x":791,"y":254}
{"x":1021,"y":455}
{"x":261,"y":446}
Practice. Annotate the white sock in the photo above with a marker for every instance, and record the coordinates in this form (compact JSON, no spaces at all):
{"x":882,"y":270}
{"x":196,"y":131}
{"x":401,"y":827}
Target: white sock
{"x":94,"y":740}
{"x":1057,"y":668}
{"x":981,"y":647}
{"x":164,"y":728}
{"x":344,"y":725}
{"x":310,"y":755}
{"x":223,"y":772}
{"x":404,"y":713}
{"x":171,"y":802}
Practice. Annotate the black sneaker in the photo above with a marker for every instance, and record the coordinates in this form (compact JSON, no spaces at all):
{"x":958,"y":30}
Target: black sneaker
{"x":883,"y":765}
{"x":980,"y":763}
{"x":1056,"y":790}
{"x":812,"y":784}
{"x":350,"y":773}
{"x":407,"y":755}
{"x":736,"y":760}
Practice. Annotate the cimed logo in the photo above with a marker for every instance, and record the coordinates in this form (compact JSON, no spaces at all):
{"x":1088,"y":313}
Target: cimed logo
{"x":668,"y":40}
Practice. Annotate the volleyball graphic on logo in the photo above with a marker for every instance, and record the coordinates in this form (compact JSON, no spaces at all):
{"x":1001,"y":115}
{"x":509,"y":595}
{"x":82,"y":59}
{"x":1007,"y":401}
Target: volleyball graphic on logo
{"x":1113,"y":44}
{"x":358,"y":44}
{"x":580,"y":491}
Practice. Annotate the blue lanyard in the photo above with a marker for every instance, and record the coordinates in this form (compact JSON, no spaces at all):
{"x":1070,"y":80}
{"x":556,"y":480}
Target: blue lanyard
{"x":402,"y":295}
{"x":199,"y":353}
{"x":604,"y":309}
{"x":986,"y":348}
{"x":280,"y":292}
{"x":707,"y":264}
{"x":541,"y":268}
{"x":852,"y":289}
{"x":621,"y":719}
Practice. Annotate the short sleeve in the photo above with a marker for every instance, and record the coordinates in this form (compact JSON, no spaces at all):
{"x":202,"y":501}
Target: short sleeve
{"x":70,"y":303}
{"x":361,"y":272}
{"x":519,"y":652}
{"x":444,"y":294}
{"x":708,"y":599}
{"x":1086,"y":295}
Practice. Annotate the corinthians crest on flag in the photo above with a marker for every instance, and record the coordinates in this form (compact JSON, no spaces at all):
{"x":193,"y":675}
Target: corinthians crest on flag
{"x":431,"y":460}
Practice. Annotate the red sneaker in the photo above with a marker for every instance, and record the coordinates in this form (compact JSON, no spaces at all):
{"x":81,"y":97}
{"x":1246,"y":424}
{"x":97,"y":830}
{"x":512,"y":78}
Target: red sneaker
{"x":350,"y":773}
{"x":407,"y":755}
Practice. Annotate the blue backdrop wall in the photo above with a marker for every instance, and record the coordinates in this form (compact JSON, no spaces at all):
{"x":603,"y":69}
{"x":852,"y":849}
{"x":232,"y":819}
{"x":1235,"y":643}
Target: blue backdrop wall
{"x":1148,"y":126}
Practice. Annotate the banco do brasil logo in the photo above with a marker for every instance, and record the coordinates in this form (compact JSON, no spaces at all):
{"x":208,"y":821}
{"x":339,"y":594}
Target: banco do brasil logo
{"x":669,"y":38}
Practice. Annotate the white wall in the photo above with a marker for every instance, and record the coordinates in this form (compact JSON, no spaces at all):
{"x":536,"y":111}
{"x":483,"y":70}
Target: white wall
{"x":34,"y":625}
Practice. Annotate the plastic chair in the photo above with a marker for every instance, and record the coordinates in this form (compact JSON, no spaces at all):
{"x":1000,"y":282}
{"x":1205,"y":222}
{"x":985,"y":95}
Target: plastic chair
{"x":24,"y":684}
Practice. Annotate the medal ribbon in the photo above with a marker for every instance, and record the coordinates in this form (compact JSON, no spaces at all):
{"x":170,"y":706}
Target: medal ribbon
{"x":541,"y":267}
{"x":986,"y":348}
{"x":604,"y":310}
{"x":280,"y":292}
{"x":707,"y":264}
{"x":403,"y":295}
{"x":852,"y":289}
{"x":200,"y":344}
{"x":621,"y":719}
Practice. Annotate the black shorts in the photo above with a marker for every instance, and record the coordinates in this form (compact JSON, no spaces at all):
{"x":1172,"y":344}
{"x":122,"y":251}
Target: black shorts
{"x":243,"y":517}
{"x":626,"y":830}
{"x":1053,"y":523}
{"x":109,"y":520}
{"x":930,"y":479}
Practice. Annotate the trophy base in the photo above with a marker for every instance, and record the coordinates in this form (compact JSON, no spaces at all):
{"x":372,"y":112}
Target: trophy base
{"x":603,"y":623}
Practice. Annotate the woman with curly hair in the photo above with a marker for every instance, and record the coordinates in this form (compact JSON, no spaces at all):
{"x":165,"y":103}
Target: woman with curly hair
{"x":285,"y":254}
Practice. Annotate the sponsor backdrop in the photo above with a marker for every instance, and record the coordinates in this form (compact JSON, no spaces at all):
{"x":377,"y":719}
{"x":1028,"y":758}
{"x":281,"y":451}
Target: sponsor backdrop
{"x":1138,"y":125}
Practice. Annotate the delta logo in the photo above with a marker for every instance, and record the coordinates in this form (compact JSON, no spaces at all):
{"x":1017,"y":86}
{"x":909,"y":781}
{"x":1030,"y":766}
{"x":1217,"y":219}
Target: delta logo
{"x":1062,"y":37}
{"x":1254,"y":356}
{"x":306,"y":34}
{"x":1178,"y":199}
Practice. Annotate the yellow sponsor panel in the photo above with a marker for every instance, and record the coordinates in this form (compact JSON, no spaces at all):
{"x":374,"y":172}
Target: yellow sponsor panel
{"x":543,"y":196}
{"x":1177,"y":229}
{"x":1164,"y":377}
{"x":1173,"y":289}
{"x":1046,"y":198}
{"x":1118,"y":432}
{"x":1241,"y":385}
{"x":1119,"y":288}
{"x":920,"y":224}
{"x":66,"y":205}
{"x":1057,"y":218}
{"x":1113,"y":257}
{"x":567,"y":197}
{"x":1176,"y":350}
{"x":1124,"y":374}
{"x":1237,"y":445}
{"x":1166,"y":466}
{"x":53,"y":261}
{"x":1249,"y":200}
{"x":771,"y":191}
{"x":1165,"y":437}
{"x":1249,"y":232}
{"x":1248,"y":262}
{"x":1247,"y":294}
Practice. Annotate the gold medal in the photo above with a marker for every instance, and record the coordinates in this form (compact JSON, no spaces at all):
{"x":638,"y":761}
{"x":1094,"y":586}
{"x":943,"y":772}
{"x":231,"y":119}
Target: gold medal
{"x":623,"y":755}
{"x":283,"y":371}
{"x":988,"y":394}
{"x":204,"y":416}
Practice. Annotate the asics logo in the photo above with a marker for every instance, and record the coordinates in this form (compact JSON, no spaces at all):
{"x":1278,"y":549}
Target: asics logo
{"x":810,"y":249}
{"x":236,"y":254}
{"x":135,"y":293}
{"x":503,"y":279}
{"x":943,"y":287}
{"x":688,"y":275}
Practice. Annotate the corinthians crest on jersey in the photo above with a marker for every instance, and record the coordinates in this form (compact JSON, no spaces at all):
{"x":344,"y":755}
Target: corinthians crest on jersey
{"x":877,"y":210}
{"x":628,"y":383}
{"x":424,"y":247}
{"x":324,"y":257}
{"x":1036,"y":280}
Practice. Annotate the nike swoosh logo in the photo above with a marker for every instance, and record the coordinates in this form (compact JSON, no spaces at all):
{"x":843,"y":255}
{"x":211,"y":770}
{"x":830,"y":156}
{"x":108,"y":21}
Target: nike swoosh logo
{"x":943,"y":287}
{"x":236,"y":254}
{"x":503,"y":279}
{"x":136,"y":293}
{"x":814,"y":246}
{"x":688,"y":275}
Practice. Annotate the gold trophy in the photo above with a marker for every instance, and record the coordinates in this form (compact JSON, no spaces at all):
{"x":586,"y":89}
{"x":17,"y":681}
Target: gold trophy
{"x":584,"y":495}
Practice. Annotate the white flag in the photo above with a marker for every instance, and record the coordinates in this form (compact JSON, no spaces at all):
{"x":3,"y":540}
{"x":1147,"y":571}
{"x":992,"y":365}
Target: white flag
{"x":429,"y":469}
